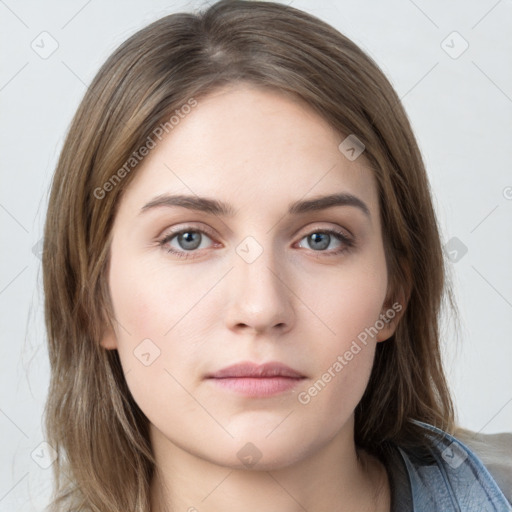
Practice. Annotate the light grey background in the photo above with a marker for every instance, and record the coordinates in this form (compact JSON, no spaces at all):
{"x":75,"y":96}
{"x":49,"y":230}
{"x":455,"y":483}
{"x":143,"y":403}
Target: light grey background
{"x":460,"y":105}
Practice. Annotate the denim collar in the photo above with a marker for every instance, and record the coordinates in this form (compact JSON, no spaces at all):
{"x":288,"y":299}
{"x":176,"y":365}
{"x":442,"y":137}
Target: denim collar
{"x":449,"y":477}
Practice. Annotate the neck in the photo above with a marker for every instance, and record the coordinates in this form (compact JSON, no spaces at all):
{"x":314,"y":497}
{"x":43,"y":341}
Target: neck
{"x":335,"y":476}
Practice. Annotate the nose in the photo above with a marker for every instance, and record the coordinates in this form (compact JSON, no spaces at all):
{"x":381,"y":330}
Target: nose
{"x":259,"y":297}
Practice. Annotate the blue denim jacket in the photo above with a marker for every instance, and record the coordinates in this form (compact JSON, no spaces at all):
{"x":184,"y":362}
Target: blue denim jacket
{"x":454,"y":479}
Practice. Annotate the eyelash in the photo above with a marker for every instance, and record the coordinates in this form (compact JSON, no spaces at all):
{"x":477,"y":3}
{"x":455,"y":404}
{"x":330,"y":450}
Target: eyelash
{"x":349,"y":243}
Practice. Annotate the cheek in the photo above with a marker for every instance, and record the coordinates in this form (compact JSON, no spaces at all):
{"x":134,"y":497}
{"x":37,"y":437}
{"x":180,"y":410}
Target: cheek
{"x":158,"y":333}
{"x":348,"y":301}
{"x":149,"y":300}
{"x":347,"y":309}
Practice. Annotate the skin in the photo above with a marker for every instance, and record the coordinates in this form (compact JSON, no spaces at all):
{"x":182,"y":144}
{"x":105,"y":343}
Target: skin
{"x":259,"y":151}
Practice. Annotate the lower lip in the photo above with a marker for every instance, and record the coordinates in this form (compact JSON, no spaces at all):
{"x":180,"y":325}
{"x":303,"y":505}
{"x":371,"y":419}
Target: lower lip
{"x":257,"y":386}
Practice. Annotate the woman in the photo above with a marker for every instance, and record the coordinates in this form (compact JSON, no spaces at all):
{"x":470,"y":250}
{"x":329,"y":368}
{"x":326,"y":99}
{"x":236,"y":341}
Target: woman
{"x":244,"y":281}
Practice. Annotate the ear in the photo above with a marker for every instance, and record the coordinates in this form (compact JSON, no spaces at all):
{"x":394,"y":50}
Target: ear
{"x":109,"y":339}
{"x":391,"y":314}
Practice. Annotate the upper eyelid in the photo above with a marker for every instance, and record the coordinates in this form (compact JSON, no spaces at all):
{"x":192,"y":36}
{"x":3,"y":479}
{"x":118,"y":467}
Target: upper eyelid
{"x":187,"y":227}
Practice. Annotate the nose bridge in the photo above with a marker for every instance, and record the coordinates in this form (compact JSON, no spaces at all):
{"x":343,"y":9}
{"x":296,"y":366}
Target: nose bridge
{"x":260,"y":298}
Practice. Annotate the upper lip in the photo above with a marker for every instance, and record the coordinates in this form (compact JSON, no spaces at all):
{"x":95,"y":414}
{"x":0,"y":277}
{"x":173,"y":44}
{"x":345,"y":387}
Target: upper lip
{"x":249,"y":369}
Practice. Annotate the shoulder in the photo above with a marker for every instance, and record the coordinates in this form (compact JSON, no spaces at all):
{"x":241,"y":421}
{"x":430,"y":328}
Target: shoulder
{"x":451,"y":476}
{"x":495,"y":452}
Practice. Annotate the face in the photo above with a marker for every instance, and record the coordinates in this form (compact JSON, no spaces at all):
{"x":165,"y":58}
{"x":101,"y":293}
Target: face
{"x":197,"y":290}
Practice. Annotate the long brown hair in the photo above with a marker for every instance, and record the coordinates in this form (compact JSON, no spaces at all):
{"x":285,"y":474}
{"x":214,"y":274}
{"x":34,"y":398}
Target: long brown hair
{"x":105,"y":461}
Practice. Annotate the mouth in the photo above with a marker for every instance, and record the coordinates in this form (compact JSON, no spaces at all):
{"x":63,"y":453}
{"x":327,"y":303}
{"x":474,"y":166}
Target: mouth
{"x":254,"y":380}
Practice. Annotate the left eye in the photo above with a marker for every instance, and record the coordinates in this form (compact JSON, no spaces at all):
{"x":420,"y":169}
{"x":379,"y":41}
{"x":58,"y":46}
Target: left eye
{"x":188,"y":240}
{"x":320,"y":240}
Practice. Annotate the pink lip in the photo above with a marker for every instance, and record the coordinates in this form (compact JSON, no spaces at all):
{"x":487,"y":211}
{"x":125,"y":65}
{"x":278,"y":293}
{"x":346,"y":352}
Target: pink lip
{"x":248,"y":369}
{"x":257,"y":380}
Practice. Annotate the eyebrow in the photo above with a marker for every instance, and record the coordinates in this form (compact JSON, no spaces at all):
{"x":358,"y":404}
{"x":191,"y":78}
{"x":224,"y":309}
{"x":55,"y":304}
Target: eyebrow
{"x":216,"y":207}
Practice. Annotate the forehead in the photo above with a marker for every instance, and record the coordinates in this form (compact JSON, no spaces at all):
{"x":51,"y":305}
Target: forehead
{"x":243,"y":143}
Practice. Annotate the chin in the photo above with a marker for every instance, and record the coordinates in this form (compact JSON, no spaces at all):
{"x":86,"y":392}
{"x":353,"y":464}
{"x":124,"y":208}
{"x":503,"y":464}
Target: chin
{"x":257,"y":453}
